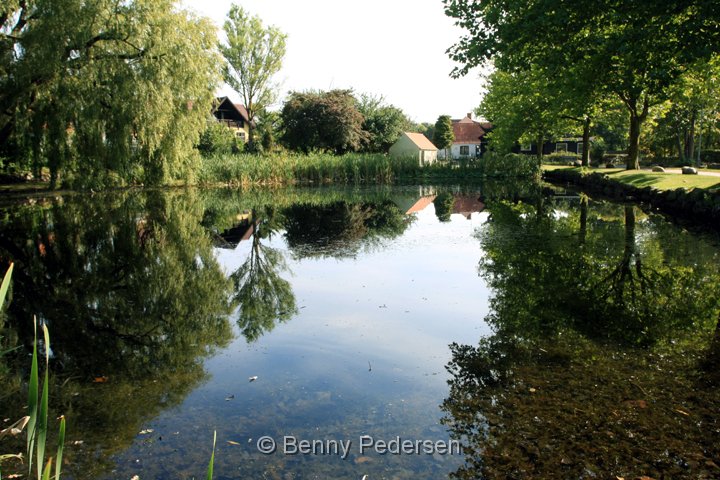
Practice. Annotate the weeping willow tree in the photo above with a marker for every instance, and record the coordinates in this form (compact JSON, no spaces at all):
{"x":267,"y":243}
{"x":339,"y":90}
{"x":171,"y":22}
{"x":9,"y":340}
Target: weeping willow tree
{"x":104,"y":92}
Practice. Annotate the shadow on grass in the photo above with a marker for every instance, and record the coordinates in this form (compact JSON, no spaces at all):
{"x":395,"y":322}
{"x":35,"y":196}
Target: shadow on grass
{"x":641,"y":179}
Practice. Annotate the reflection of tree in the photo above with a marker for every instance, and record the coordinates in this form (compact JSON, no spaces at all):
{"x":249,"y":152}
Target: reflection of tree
{"x":592,"y":370}
{"x":263,"y":296}
{"x":618,"y":283}
{"x":134,"y":299}
{"x":444,"y":206}
{"x":126,"y":283}
{"x":341,"y":228}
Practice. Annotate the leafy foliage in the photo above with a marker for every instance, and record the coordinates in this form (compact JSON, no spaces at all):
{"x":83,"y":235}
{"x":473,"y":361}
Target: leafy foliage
{"x":443,"y":135}
{"x":326,"y":121}
{"x":588,"y":41}
{"x":105,"y":92}
{"x":254,"y":54}
{"x":217,"y":139}
{"x":383,"y":123}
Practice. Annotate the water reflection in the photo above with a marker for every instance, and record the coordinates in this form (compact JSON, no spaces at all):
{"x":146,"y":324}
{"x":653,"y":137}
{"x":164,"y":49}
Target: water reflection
{"x":604,"y":346}
{"x":263,"y":296}
{"x":603,"y":358}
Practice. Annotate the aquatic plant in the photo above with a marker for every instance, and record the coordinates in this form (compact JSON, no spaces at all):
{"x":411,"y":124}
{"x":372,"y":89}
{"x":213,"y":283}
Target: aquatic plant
{"x":37,"y":418}
{"x":324,"y":168}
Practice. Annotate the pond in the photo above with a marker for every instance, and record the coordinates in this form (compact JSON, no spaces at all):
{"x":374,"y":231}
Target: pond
{"x":498,"y":331}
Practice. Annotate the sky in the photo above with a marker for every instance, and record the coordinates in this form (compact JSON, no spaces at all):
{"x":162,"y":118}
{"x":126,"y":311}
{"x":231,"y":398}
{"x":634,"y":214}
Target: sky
{"x":393,"y":48}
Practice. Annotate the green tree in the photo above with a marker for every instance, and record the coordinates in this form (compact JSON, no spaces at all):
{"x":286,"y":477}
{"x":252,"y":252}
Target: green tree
{"x":383,"y":123}
{"x":105,"y":91}
{"x":443,"y":135}
{"x":322,"y":120}
{"x":254,"y":54}
{"x":519,"y":110}
{"x":593,"y":37}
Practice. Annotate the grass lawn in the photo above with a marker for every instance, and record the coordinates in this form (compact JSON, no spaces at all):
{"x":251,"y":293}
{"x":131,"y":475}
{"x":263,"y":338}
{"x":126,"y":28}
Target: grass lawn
{"x":665,"y":181}
{"x":646,"y":178}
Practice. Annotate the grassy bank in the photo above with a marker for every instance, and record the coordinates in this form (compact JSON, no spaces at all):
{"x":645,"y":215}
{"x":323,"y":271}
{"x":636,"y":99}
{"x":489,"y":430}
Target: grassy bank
{"x":687,"y":197}
{"x":643,"y":178}
{"x":319,"y":168}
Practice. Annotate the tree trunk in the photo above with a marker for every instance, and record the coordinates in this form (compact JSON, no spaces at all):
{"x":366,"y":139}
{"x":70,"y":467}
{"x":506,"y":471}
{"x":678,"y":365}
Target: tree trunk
{"x":583,"y":219}
{"x":586,"y":142}
{"x":681,"y":150}
{"x":633,"y":157}
{"x":636,"y":121}
{"x":691,"y":137}
{"x":540,"y":148}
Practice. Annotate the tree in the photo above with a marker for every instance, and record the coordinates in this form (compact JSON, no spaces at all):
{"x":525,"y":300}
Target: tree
{"x":254,"y":54}
{"x":443,"y":135}
{"x":104,"y":91}
{"x":383,"y":123}
{"x":593,"y":37}
{"x":519,"y":110}
{"x":322,"y":120}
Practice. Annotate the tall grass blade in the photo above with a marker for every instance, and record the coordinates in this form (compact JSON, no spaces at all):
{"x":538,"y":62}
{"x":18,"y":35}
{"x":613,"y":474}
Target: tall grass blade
{"x":46,"y":470}
{"x":5,"y":285}
{"x":32,"y":405}
{"x":43,"y":415}
{"x":212,"y":458}
{"x":61,"y":446}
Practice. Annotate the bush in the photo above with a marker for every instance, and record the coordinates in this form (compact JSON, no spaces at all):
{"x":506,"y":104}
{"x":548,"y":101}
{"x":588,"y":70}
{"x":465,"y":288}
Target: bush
{"x":217,"y":139}
{"x":597,"y":150}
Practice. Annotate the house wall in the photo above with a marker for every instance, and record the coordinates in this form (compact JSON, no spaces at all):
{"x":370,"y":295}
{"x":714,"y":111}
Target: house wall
{"x":454,"y":151}
{"x":405,"y":147}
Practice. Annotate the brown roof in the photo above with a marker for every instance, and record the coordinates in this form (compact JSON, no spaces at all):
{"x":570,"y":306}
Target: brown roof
{"x":225,"y":103}
{"x":467,"y":205}
{"x":421,"y":141}
{"x":467,"y":130}
{"x":243,"y":111}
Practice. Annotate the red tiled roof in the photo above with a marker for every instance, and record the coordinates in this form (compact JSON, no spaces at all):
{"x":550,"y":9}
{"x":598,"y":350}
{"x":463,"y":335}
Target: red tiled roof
{"x":468,"y":132}
{"x":466,"y":205}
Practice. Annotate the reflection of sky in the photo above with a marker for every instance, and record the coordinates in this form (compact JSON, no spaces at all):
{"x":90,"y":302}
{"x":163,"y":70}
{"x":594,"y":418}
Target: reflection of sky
{"x":365,"y":353}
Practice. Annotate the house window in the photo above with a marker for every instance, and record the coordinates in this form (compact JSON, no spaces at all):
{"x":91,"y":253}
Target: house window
{"x":240,"y":135}
{"x":561,"y":148}
{"x":464,"y":150}
{"x":478,"y":150}
{"x":580,"y":148}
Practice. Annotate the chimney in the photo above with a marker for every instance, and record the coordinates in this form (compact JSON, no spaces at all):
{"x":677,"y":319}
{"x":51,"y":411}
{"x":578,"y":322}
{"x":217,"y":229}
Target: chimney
{"x":469,"y":115}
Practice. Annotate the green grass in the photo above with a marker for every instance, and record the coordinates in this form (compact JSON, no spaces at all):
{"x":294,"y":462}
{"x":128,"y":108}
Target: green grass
{"x":645,"y":178}
{"x":665,"y":181}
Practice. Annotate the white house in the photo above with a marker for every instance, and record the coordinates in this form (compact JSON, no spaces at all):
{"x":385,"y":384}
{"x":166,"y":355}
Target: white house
{"x":469,"y":140}
{"x":414,"y":145}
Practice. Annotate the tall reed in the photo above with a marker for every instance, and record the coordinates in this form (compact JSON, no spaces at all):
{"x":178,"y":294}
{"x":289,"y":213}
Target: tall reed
{"x":37,"y":418}
{"x":353,"y":168}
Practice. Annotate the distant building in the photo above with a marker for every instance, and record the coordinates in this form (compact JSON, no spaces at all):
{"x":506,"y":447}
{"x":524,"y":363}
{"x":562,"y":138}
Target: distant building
{"x":469,"y":140}
{"x":414,"y":145}
{"x":234,"y":116}
{"x":569,"y":145}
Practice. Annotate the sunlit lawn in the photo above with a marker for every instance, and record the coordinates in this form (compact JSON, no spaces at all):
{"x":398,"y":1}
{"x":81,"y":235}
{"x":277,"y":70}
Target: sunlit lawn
{"x":645,"y":178}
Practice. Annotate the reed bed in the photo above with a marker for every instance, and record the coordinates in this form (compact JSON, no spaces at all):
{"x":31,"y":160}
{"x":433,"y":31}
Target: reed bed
{"x":353,"y":168}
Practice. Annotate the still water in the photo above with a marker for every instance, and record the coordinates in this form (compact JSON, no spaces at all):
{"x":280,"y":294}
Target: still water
{"x":499,"y":332}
